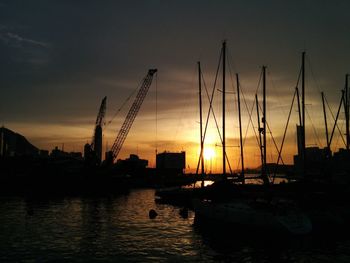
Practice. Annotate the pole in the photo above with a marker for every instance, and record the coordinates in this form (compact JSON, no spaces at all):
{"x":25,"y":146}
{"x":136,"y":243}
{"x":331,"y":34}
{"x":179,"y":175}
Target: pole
{"x":347,"y":112}
{"x":200,"y":120}
{"x":264,"y":170}
{"x":325,"y":119}
{"x":240,"y":128}
{"x":259,"y":129}
{"x":223,"y":109}
{"x":303,"y":111}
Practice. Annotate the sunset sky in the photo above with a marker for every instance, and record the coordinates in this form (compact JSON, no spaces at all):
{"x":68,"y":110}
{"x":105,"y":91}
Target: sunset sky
{"x":60,"y":58}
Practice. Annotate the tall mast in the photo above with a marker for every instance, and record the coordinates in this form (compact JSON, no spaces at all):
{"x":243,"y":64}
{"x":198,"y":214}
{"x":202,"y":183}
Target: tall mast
{"x":303,"y":111}
{"x":259,"y":129}
{"x":200,"y":116}
{"x":223,"y":109}
{"x":325,"y":119}
{"x":299,"y":112}
{"x":264,"y":172}
{"x":347,"y":111}
{"x":240,"y":129}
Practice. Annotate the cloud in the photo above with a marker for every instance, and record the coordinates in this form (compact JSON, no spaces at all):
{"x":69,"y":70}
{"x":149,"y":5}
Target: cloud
{"x":15,"y":40}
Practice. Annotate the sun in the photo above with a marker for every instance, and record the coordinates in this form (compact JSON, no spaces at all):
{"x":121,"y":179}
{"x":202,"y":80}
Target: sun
{"x":209,"y":153}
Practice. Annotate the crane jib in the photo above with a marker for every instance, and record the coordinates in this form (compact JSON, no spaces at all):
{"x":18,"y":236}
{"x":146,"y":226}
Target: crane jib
{"x":129,"y":119}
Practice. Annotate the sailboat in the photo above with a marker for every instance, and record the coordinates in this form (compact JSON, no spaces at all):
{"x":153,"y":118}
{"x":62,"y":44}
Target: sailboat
{"x":276,"y":214}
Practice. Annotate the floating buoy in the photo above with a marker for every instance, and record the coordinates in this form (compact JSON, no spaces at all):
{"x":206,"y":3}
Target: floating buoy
{"x":184,"y":212}
{"x":30,"y":212}
{"x":152,"y":214}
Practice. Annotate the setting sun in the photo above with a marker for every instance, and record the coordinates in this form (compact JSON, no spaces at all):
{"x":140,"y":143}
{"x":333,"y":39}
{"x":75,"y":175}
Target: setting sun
{"x":209,"y":153}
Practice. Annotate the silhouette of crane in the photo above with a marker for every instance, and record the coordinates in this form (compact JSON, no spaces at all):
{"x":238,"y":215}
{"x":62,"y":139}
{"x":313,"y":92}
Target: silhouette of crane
{"x":129,"y":119}
{"x":93,"y":151}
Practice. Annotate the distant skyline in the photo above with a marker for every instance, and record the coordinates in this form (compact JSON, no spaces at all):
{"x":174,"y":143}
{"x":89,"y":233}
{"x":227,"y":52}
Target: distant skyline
{"x":60,"y":58}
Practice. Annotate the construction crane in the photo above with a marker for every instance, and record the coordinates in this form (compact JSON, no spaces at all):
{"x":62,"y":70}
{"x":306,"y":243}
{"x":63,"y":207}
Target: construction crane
{"x":129,"y":119}
{"x":93,"y":151}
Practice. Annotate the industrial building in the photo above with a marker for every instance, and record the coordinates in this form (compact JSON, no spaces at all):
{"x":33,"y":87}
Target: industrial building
{"x":132,"y":165}
{"x":170,"y":163}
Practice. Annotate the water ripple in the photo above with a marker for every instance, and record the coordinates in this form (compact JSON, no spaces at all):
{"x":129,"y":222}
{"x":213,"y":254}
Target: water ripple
{"x":118,"y":229}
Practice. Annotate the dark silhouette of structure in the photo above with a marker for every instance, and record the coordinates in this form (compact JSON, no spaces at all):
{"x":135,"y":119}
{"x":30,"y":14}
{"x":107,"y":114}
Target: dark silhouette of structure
{"x":171,"y":164}
{"x":93,"y":151}
{"x":14,"y":144}
{"x":129,"y":119}
{"x":132,"y":165}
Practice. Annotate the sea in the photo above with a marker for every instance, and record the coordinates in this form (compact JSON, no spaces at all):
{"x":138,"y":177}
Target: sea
{"x":119,"y":229}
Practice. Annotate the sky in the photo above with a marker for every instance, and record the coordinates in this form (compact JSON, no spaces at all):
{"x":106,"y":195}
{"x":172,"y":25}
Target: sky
{"x":60,"y":58}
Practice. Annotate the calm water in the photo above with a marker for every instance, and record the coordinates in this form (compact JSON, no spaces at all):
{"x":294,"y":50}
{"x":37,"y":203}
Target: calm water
{"x":118,"y":229}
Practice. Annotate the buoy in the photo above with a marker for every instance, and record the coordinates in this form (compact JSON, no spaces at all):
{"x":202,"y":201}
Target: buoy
{"x":184,"y":212}
{"x":152,"y":214}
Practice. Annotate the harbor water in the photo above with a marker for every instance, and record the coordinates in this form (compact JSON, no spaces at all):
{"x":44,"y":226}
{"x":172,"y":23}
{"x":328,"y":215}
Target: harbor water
{"x":118,"y":229}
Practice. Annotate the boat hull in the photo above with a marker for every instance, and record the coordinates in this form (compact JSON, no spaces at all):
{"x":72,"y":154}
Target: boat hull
{"x":250,"y":216}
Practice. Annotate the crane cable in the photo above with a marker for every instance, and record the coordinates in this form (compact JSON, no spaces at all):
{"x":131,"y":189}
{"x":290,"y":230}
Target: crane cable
{"x":123,"y":104}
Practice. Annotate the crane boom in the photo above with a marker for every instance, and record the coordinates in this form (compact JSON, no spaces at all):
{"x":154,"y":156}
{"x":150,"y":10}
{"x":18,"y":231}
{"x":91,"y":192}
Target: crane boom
{"x":129,"y":119}
{"x":93,"y":151}
{"x":101,"y":112}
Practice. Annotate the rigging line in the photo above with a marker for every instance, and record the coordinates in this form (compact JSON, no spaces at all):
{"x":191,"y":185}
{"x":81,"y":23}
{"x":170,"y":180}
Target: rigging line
{"x":234,"y":105}
{"x":284,"y":136}
{"x":210,"y":108}
{"x":273,"y":139}
{"x":336,"y":119}
{"x":124,"y":103}
{"x":184,"y":108}
{"x":232,"y":81}
{"x":337,"y":141}
{"x":339,"y":129}
{"x":230,"y":58}
{"x":312,"y":73}
{"x":233,"y":87}
{"x":250,"y":112}
{"x":315,"y":80}
{"x":228,"y":162}
{"x":313,"y":128}
{"x":298,"y":80}
{"x":216,"y":123}
{"x":274,"y":90}
{"x":229,"y":66}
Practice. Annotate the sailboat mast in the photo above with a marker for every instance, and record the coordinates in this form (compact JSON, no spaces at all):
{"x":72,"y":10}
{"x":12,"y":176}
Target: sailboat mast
{"x":200,"y":117}
{"x":240,"y":128}
{"x":299,"y":112}
{"x":347,"y":111}
{"x":264,"y":173}
{"x":223,"y":109}
{"x":259,"y":129}
{"x":325,"y":119}
{"x":303,"y":111}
